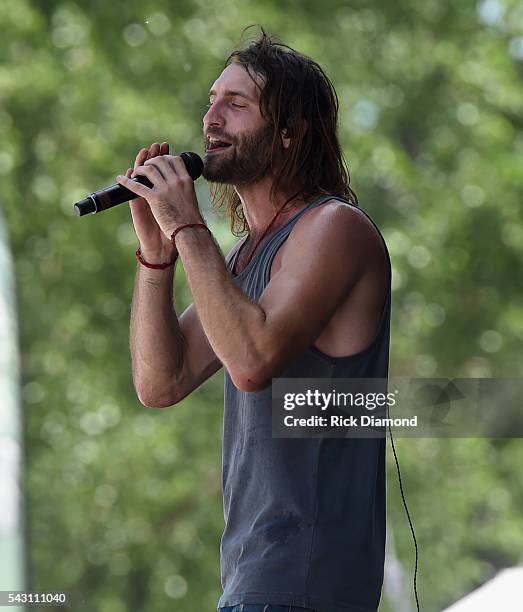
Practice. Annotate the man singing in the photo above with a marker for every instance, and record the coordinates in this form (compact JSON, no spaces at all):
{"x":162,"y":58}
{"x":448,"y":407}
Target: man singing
{"x":305,"y":294}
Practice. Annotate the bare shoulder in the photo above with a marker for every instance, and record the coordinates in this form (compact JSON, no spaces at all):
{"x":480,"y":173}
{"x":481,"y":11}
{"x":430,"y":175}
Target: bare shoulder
{"x":336,"y":216}
{"x":336,"y":226}
{"x":348,"y":258}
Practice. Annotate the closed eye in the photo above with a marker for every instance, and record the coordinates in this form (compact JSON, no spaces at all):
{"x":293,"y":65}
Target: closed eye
{"x":232,"y":104}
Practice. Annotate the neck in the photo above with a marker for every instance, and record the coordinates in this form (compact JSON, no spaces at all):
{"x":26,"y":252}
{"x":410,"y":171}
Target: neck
{"x":259,"y":211}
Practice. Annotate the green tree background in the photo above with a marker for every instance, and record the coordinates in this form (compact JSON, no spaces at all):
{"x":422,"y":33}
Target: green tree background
{"x":124,"y":502}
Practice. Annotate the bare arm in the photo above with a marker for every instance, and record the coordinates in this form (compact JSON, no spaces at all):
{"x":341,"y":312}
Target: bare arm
{"x":170,"y":357}
{"x":326,"y":255}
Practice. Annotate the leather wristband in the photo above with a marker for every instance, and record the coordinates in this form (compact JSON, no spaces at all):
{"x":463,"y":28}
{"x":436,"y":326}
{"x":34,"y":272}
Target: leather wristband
{"x":160,"y":266}
{"x":173,"y":235}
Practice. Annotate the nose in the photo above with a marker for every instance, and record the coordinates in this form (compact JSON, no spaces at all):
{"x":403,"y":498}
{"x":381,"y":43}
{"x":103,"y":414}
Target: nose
{"x":213,"y":117}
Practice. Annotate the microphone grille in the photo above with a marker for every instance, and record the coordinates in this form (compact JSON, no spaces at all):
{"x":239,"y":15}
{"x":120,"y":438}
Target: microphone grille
{"x":194,"y":164}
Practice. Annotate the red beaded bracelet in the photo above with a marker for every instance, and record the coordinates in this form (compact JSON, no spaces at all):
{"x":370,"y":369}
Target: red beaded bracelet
{"x":160,"y":266}
{"x":173,"y":235}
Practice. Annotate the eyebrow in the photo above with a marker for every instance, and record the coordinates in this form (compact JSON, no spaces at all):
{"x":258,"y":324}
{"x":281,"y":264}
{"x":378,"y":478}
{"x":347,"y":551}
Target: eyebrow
{"x":230,"y":92}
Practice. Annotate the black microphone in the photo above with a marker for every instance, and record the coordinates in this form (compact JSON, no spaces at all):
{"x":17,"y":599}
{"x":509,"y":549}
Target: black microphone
{"x":116,"y":194}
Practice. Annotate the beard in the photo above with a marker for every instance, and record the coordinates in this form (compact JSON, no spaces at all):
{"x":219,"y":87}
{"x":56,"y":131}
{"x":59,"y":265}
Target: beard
{"x":247,"y":160}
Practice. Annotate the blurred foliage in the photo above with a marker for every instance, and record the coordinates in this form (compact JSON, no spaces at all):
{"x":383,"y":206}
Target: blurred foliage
{"x":124,"y":502}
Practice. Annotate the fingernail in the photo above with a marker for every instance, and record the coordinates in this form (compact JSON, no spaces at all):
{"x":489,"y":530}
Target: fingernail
{"x":119,"y":177}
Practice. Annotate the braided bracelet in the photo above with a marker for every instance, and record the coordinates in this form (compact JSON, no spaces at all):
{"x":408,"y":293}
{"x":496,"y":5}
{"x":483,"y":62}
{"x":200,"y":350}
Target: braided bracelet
{"x":160,"y":266}
{"x":173,"y":235}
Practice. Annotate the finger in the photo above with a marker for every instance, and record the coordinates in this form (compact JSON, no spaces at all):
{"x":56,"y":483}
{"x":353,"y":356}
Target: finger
{"x":162,"y":165}
{"x":154,"y":150}
{"x":129,"y":172}
{"x":141,"y":157}
{"x":135,"y":187}
{"x":178,"y":165}
{"x":151,"y":172}
{"x":164,"y":148}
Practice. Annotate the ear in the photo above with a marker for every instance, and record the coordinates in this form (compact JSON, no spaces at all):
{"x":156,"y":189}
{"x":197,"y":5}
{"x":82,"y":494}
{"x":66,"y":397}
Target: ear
{"x":286,"y":134}
{"x":285,"y":139}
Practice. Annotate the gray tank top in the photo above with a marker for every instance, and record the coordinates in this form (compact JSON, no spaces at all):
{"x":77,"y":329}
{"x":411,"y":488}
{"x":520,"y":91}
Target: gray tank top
{"x":304,"y":518}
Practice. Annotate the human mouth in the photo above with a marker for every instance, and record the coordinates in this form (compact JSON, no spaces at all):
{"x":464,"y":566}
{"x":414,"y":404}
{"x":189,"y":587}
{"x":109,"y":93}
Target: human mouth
{"x":216,"y":151}
{"x":216,"y":144}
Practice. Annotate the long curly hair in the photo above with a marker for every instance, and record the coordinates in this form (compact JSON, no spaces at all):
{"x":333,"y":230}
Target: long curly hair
{"x":298,"y":97}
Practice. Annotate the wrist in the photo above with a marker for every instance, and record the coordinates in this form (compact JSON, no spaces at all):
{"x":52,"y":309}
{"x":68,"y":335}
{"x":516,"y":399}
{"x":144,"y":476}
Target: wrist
{"x":188,"y":227}
{"x":176,"y":224}
{"x":164,"y":252}
{"x":157,"y":258}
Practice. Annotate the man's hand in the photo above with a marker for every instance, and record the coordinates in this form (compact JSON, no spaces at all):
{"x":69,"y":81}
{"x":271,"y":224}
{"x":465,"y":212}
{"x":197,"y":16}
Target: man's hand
{"x":172,"y":197}
{"x":155,"y":247}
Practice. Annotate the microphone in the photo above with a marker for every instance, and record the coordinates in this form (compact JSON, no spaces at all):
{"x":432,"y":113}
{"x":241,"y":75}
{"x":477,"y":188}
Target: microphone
{"x":116,"y":194}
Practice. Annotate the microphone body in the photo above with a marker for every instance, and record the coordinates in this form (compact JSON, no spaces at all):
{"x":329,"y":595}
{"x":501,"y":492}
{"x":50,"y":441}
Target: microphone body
{"x":117,"y":194}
